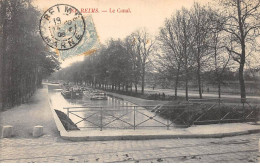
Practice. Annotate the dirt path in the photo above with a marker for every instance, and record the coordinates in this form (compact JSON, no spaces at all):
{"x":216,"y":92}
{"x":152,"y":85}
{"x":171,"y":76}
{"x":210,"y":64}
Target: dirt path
{"x":25,"y":116}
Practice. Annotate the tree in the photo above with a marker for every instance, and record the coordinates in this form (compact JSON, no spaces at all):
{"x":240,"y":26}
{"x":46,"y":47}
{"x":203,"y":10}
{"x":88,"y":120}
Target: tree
{"x":24,"y":59}
{"x":176,"y":44}
{"x":172,"y":58}
{"x":3,"y":23}
{"x":133,"y":53}
{"x":242,"y":23}
{"x":183,"y":34}
{"x":119,"y":64}
{"x":217,"y":50}
{"x":201,"y":22}
{"x":145,"y":47}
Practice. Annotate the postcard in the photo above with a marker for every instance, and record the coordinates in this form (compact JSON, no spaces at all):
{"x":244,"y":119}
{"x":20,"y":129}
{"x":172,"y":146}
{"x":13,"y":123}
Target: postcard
{"x":140,"y":81}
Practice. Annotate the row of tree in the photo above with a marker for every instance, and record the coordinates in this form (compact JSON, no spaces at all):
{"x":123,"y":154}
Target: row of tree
{"x":206,"y":39}
{"x":190,"y":43}
{"x":24,"y":59}
{"x":119,"y":64}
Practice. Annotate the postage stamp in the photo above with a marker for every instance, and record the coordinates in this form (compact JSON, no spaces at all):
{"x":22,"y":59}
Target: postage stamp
{"x":62,"y":26}
{"x":88,"y":44}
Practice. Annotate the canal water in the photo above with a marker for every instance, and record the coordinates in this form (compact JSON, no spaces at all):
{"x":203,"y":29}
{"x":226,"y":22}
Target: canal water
{"x":115,"y":114}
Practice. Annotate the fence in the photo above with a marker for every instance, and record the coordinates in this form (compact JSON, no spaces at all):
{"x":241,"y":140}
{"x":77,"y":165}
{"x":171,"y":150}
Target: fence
{"x":240,"y":111}
{"x":194,"y":112}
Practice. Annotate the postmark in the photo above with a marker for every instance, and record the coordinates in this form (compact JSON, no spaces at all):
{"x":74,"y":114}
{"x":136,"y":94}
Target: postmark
{"x":62,"y":26}
{"x":89,"y":43}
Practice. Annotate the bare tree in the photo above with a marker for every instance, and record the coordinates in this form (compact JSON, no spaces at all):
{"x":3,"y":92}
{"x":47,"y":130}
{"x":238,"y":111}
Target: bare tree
{"x":167,"y":66}
{"x":175,"y":43}
{"x":217,"y":49}
{"x":172,"y":58}
{"x":133,"y":51}
{"x":220,"y":61}
{"x":144,"y":44}
{"x":201,"y":22}
{"x":183,"y":33}
{"x":242,"y":23}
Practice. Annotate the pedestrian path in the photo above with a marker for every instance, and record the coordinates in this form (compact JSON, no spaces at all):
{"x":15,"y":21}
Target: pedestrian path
{"x":206,"y":131}
{"x":35,"y":112}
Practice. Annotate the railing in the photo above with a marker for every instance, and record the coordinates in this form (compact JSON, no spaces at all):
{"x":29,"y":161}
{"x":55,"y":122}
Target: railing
{"x":167,"y":116}
{"x":244,"y":108}
{"x":133,"y":114}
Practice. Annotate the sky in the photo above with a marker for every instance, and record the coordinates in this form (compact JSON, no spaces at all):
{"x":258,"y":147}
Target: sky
{"x":144,"y":13}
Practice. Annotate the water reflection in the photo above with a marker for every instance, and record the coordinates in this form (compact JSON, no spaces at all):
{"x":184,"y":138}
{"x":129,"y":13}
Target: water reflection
{"x":115,"y":116}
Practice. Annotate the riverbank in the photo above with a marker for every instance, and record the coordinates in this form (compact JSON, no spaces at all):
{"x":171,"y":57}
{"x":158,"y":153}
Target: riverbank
{"x":36,"y":112}
{"x":196,"y":111}
{"x":168,"y":95}
{"x":136,"y":100}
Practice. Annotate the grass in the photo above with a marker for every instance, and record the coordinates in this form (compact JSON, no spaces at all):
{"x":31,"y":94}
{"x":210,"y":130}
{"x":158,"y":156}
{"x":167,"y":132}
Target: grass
{"x":206,"y":113}
{"x":200,"y":113}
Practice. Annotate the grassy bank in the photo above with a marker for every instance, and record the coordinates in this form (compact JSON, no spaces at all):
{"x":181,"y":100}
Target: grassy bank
{"x":206,"y":113}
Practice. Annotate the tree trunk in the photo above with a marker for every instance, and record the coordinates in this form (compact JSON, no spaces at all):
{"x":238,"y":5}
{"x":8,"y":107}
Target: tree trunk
{"x":186,"y":63}
{"x":241,"y":76}
{"x":199,"y":83}
{"x":219,"y":89}
{"x":243,"y":54}
{"x":143,"y":76}
{"x":217,"y":76}
{"x":198,"y":73}
{"x":186,"y":77}
{"x":186,"y":88}
{"x":176,"y":83}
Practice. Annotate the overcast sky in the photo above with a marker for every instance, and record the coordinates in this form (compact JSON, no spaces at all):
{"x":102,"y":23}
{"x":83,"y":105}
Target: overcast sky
{"x":144,"y":13}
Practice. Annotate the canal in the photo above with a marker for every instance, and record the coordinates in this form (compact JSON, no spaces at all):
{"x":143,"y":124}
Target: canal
{"x":117,"y":113}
